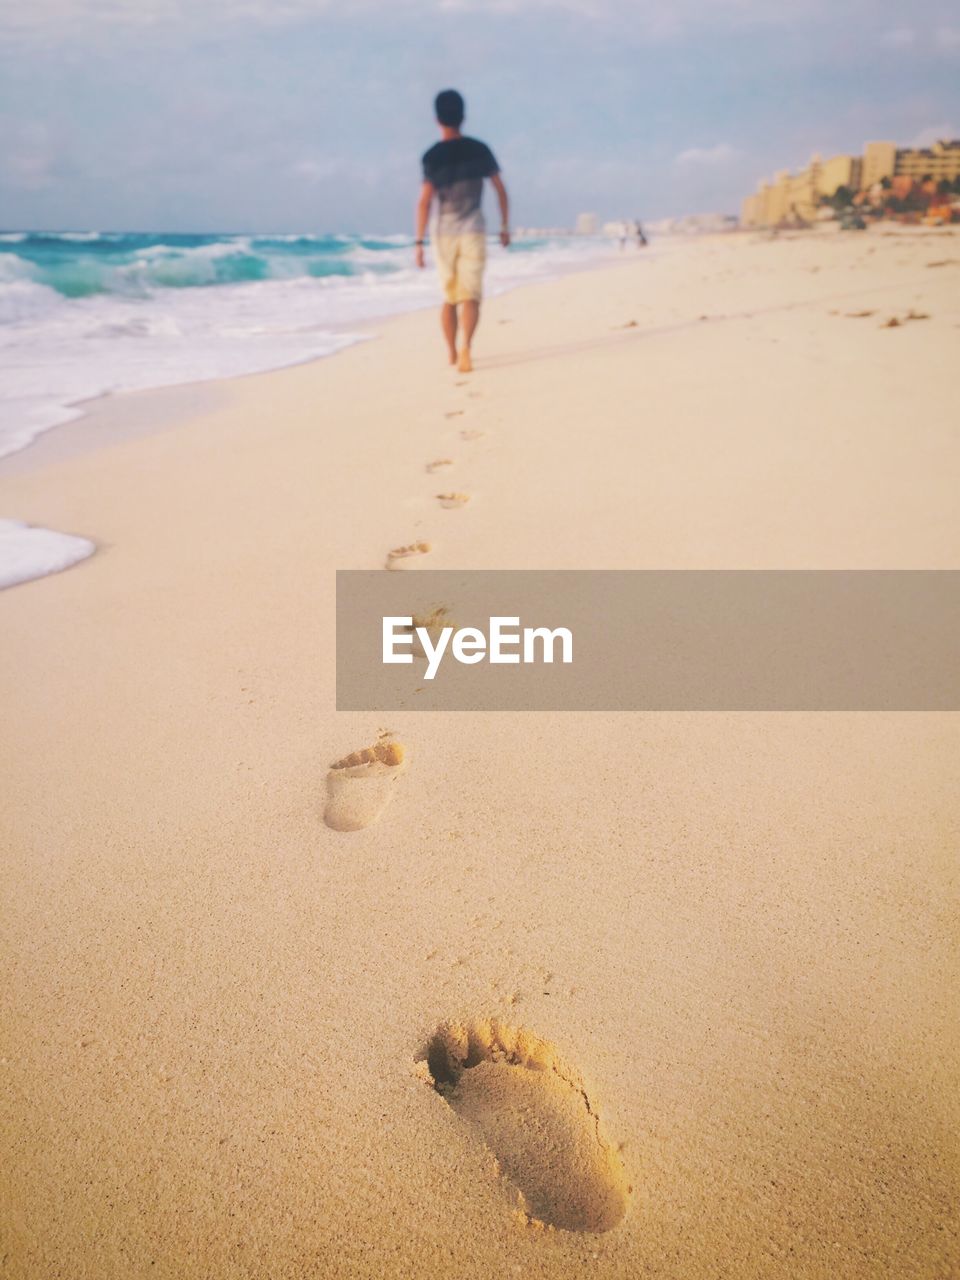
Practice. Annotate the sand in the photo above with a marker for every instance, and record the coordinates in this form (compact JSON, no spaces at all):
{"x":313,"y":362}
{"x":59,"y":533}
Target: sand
{"x":701,"y":969}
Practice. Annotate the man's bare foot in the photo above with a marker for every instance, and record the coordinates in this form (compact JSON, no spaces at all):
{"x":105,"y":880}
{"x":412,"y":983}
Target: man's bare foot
{"x":465,"y":364}
{"x":452,"y":355}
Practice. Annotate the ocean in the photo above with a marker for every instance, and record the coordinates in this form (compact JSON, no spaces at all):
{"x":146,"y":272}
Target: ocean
{"x":88,"y":313}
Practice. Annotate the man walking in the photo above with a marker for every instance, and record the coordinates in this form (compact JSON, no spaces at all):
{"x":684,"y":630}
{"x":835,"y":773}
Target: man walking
{"x":453,"y":173}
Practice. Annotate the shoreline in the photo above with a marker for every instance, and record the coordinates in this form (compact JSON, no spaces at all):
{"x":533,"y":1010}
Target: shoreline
{"x":158,"y":407}
{"x":363,"y":331}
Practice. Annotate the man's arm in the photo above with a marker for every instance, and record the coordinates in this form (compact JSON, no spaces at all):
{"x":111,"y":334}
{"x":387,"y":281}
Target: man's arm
{"x":504,"y":202}
{"x":423,"y":217}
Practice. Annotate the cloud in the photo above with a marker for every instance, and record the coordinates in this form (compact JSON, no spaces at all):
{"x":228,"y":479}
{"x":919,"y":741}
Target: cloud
{"x":706,"y":157}
{"x":933,"y":133}
{"x":948,"y":38}
{"x":898,"y":37}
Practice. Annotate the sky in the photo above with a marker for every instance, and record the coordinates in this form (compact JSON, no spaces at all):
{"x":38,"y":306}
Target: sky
{"x":311,"y":115}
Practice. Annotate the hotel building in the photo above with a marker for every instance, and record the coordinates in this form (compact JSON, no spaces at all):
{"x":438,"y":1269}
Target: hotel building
{"x":796,"y":197}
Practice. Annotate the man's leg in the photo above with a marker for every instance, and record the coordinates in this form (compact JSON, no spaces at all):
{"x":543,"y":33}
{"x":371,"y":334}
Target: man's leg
{"x":448,"y":322}
{"x":473,"y":256}
{"x":469,"y":316}
{"x":445,"y":248}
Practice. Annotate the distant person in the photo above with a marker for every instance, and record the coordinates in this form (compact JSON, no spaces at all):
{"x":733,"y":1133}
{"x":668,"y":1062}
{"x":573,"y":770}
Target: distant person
{"x":453,"y":172}
{"x":638,"y":231}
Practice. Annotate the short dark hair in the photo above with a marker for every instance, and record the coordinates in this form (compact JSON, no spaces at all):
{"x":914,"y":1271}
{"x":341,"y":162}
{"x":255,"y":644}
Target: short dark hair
{"x":449,"y":108}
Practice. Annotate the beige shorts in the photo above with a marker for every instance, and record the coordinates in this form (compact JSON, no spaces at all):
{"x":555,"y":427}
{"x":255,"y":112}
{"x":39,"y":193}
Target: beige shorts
{"x":460,"y":261}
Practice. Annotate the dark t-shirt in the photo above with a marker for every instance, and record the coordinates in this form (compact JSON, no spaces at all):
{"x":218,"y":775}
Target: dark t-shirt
{"x":457,"y":169}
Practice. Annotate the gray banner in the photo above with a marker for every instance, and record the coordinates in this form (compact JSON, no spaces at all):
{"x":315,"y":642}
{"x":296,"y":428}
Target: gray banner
{"x":873,"y":640}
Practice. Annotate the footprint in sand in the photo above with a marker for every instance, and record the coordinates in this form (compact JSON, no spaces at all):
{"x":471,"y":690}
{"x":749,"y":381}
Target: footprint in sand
{"x":400,"y":557}
{"x":453,"y":500}
{"x":537,"y":1119}
{"x":471,"y":433}
{"x":455,"y":413}
{"x":433,"y":621}
{"x":438,"y":464}
{"x":896,"y":323}
{"x":361,"y":785}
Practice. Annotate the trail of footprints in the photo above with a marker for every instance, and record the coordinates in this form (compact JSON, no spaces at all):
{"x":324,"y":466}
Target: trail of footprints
{"x":531,"y":1111}
{"x":409,"y":555}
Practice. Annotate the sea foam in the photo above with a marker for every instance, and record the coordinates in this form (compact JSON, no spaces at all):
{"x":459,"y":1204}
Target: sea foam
{"x":27,"y":551}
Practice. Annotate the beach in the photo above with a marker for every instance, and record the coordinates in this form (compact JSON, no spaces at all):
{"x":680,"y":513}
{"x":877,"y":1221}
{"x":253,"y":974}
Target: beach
{"x":728,"y":940}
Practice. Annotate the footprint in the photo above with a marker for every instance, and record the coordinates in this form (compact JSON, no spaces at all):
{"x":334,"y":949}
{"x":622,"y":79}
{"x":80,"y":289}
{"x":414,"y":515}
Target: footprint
{"x":397,"y":558}
{"x":452,"y":500}
{"x":438,"y":464}
{"x":455,"y":413}
{"x":433,"y":623}
{"x":360,"y":786}
{"x":858,"y":315}
{"x":537,"y":1119}
{"x":471,"y":433}
{"x":895,"y":323}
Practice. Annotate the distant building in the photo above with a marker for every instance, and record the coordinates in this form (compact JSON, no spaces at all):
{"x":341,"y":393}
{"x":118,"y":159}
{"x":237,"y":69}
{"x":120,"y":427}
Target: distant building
{"x":940,"y":161}
{"x":794,"y":198}
{"x":586,"y":224}
{"x":694,"y":224}
{"x":887,"y":160}
{"x":790,"y":197}
{"x":840,"y":171}
{"x":879,"y":162}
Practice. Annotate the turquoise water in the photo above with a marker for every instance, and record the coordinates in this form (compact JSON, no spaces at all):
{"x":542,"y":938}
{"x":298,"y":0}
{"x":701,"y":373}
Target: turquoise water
{"x":78,"y":264}
{"x":81,"y":264}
